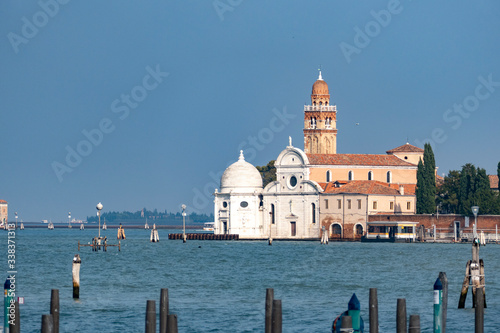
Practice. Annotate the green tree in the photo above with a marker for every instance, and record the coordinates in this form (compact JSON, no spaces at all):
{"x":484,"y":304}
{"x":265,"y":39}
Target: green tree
{"x":448,"y":192}
{"x":426,"y":182}
{"x":268,"y":173}
{"x":467,"y":189}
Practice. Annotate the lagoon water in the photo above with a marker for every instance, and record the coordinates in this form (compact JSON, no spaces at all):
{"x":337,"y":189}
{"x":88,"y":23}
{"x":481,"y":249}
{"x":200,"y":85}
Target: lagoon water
{"x":220,"y":286}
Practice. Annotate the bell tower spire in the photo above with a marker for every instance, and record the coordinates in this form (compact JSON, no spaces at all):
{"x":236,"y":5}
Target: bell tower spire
{"x":320,"y":121}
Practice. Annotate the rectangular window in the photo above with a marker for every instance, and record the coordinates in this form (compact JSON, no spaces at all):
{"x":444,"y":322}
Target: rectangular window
{"x":293,"y":228}
{"x":326,"y":203}
{"x":339,"y":203}
{"x":374,"y":205}
{"x":359,"y":203}
{"x":408,"y":205}
{"x":348,"y":203}
{"x":391,"y":205}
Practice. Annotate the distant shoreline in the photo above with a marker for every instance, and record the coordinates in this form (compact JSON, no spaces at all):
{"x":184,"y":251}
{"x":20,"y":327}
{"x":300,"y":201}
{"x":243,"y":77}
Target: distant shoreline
{"x":109,"y":226}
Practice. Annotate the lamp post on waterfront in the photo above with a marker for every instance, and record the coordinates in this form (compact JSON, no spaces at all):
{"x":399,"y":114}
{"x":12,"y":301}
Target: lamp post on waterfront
{"x":99,"y":208}
{"x":69,"y":219}
{"x":16,"y":219}
{"x":183,"y":223}
{"x":475,"y":210}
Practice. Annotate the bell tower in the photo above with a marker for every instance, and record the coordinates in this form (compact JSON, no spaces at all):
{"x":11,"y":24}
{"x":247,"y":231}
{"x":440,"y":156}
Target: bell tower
{"x":320,"y":121}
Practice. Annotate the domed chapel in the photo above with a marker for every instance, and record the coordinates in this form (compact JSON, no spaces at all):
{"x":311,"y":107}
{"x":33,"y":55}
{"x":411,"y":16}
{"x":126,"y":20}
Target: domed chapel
{"x":316,"y":190}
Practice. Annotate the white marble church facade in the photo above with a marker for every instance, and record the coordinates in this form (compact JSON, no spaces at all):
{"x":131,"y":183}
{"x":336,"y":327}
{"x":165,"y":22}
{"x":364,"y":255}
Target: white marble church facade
{"x":287,"y":208}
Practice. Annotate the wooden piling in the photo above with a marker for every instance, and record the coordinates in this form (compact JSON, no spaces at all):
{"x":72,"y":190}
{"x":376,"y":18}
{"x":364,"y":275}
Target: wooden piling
{"x":47,"y":324}
{"x":150,"y":316}
{"x":172,"y":323}
{"x":479,"y":311}
{"x":269,"y":310}
{"x":444,"y":307}
{"x":277,"y":317}
{"x":163,"y":310}
{"x":401,"y":316}
{"x":15,"y":327}
{"x":482,"y":281}
{"x":121,"y":232}
{"x":414,"y":326}
{"x":76,"y":275}
{"x":54,"y":309}
{"x":465,"y":286}
{"x":373,"y":304}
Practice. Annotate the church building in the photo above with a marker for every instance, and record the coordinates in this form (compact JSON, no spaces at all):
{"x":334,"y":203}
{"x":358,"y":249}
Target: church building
{"x":316,"y":190}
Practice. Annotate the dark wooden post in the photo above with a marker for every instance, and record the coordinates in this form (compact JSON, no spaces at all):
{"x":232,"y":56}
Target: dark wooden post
{"x":479,"y":311}
{"x":482,"y":280}
{"x":444,"y":307}
{"x":16,"y":326}
{"x":163,"y":310}
{"x":269,"y":310}
{"x":465,"y":286}
{"x":150,"y":316}
{"x":47,"y":324}
{"x":277,"y":316}
{"x":172,"y":323}
{"x":54,"y":309}
{"x":414,"y":326}
{"x":76,"y":275}
{"x":373,"y":310}
{"x":401,"y":316}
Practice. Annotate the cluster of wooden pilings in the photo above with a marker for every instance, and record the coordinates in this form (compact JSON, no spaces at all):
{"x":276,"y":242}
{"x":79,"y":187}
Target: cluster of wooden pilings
{"x":168,"y":322}
{"x":50,"y":322}
{"x":205,"y":236}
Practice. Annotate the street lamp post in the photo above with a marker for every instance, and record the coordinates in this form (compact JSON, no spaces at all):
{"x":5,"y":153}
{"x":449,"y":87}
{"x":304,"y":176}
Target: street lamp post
{"x":69,"y":219}
{"x":183,"y":223}
{"x":475,"y":210}
{"x":16,"y":220}
{"x":99,"y":208}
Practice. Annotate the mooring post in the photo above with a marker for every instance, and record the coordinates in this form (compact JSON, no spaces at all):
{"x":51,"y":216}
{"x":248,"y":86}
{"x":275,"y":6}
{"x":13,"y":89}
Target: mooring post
{"x":6,"y":302}
{"x":414,"y":326}
{"x":15,"y":326}
{"x":269,"y":310}
{"x":444,"y":307}
{"x":401,"y":316}
{"x":277,"y":317}
{"x":163,"y":310}
{"x":438,"y":309}
{"x":373,"y":310}
{"x":172,"y":323}
{"x":150,"y":316}
{"x":76,"y":276}
{"x":47,"y":324}
{"x":54,"y":309}
{"x":465,"y":286}
{"x":346,"y":325}
{"x":482,"y":281}
{"x":479,"y":311}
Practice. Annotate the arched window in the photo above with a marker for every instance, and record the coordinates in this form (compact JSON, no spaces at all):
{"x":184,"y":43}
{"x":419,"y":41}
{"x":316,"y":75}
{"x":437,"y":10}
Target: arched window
{"x":313,"y":206}
{"x":336,"y":229}
{"x":389,"y":177}
{"x":272,"y":213}
{"x":370,"y":175}
{"x":320,"y":103}
{"x":359,"y":230}
{"x":328,"y":176}
{"x":351,"y":175}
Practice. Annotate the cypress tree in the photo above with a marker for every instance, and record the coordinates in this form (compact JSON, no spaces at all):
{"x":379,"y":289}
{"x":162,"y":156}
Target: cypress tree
{"x":466,"y":197}
{"x":484,"y":195}
{"x":419,"y":191}
{"x":430,"y":179}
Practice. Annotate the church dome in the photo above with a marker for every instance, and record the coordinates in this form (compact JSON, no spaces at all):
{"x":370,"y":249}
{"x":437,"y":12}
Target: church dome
{"x":320,"y":88}
{"x":241,"y":176}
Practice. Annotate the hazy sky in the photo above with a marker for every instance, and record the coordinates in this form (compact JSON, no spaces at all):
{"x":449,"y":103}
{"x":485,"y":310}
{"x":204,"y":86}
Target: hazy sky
{"x":144,"y":104}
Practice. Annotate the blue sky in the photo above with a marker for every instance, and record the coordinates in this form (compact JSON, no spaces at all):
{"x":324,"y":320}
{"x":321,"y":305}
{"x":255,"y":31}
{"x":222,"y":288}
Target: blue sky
{"x":157,"y":98}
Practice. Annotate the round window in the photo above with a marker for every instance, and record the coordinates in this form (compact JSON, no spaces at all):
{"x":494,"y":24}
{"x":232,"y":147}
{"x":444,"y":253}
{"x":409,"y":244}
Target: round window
{"x":244,"y":204}
{"x":292,"y":181}
{"x":224,"y":204}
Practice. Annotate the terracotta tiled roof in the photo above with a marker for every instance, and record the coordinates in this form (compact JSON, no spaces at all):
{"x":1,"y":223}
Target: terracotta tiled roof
{"x":493,"y":181}
{"x":406,"y":148}
{"x":356,"y":159}
{"x":369,"y":187}
{"x":3,"y":201}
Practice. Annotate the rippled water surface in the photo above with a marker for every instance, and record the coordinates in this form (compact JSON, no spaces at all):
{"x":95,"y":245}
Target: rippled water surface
{"x":220,"y":286}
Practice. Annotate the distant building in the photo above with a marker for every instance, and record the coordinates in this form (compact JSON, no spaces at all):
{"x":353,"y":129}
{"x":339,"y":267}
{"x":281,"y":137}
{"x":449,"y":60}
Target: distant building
{"x":4,"y":212}
{"x":317,"y":187}
{"x":493,"y":182}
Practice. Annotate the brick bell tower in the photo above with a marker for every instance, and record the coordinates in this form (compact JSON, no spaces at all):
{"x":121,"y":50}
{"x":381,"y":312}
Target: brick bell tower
{"x":320,"y":121}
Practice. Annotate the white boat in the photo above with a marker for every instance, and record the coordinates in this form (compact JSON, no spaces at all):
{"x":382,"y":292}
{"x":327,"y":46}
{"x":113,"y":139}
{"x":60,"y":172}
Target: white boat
{"x":208,"y":226}
{"x":51,"y":226}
